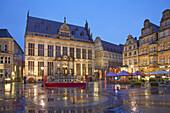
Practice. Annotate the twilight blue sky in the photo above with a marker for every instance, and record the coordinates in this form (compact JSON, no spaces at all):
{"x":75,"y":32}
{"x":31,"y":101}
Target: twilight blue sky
{"x":111,"y":20}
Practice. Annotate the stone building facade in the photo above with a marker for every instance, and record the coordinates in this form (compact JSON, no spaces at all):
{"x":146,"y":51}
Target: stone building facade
{"x":11,"y":58}
{"x":56,"y":48}
{"x":130,"y":54}
{"x":108,"y":57}
{"x":154,"y":46}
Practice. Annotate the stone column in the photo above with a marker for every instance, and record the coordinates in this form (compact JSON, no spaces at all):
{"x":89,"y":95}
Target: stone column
{"x":61,"y":50}
{"x":87,"y":68}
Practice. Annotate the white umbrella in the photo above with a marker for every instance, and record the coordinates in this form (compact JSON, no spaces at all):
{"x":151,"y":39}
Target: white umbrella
{"x":111,"y":74}
{"x":159,"y":72}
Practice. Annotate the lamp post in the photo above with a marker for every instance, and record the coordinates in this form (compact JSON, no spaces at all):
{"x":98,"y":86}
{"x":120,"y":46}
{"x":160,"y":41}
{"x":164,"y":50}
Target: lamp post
{"x":35,"y":77}
{"x":42,"y":68}
{"x":132,"y":76}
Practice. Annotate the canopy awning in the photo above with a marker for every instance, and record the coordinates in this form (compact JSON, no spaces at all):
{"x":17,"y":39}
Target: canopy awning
{"x":138,"y":73}
{"x":111,"y":74}
{"x":159,"y":72}
{"x":123,"y":73}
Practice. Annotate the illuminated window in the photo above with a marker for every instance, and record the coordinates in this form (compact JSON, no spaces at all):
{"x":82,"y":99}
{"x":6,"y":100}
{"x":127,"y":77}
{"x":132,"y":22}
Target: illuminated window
{"x":162,"y":60}
{"x":50,"y":68}
{"x":50,"y":50}
{"x":31,"y":49}
{"x":40,"y":71}
{"x":135,"y":61}
{"x":1,"y":60}
{"x":48,"y":28}
{"x":58,"y":51}
{"x":72,"y":52}
{"x":30,"y":68}
{"x":90,"y":54}
{"x":89,"y":69}
{"x":64,"y":50}
{"x":78,"y":53}
{"x":145,"y":62}
{"x":37,"y":26}
{"x":155,"y":60}
{"x":130,"y":62}
{"x":40,"y":49}
{"x":84,"y":53}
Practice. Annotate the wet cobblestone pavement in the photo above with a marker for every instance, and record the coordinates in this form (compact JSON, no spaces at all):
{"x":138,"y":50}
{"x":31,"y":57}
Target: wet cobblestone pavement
{"x":99,"y":97}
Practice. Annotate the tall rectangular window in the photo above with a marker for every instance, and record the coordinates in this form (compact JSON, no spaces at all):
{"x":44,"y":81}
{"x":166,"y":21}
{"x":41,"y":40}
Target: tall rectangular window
{"x":145,"y":62}
{"x":145,"y":51}
{"x":84,"y":69}
{"x":58,"y":51}
{"x":31,"y":49}
{"x":30,"y":68}
{"x":78,"y":69}
{"x":78,"y":53}
{"x":6,"y":60}
{"x":6,"y":48}
{"x":64,"y":50}
{"x":72,"y":52}
{"x":130,"y":62}
{"x":125,"y":62}
{"x":1,"y":60}
{"x":162,"y":47}
{"x":150,"y":50}
{"x":40,"y":49}
{"x":50,"y":68}
{"x":90,"y":54}
{"x":89,"y":69}
{"x":154,"y":60}
{"x":167,"y":33}
{"x":50,"y":50}
{"x":84,"y":53}
{"x":162,"y":60}
{"x":40,"y":70}
{"x":154,"y":49}
{"x":135,"y":61}
{"x":151,"y":60}
{"x":9,"y":60}
{"x":141,"y":62}
{"x":161,"y":35}
{"x":141,"y":52}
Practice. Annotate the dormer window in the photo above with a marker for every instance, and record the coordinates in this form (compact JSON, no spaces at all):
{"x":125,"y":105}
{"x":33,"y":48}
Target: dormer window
{"x":48,"y":28}
{"x":42,"y":22}
{"x":82,"y":33}
{"x":37,"y":26}
{"x":73,"y":32}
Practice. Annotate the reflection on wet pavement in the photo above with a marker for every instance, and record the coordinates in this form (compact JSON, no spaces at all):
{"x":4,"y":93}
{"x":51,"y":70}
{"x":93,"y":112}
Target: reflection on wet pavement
{"x":98,"y":97}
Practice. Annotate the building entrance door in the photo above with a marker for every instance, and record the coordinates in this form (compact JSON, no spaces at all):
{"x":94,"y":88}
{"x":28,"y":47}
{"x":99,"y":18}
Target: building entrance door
{"x":65,"y":71}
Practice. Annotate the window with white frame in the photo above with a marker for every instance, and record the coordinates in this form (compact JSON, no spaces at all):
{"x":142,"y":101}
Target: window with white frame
{"x":1,"y":59}
{"x":125,"y":62}
{"x":150,"y":50}
{"x":162,"y":47}
{"x":9,"y":60}
{"x":6,"y":48}
{"x":167,"y":33}
{"x":145,"y":62}
{"x":141,"y":63}
{"x":135,"y":61}
{"x":154,"y":49}
{"x":130,"y":62}
{"x":1,"y":73}
{"x":151,"y":60}
{"x":145,"y":51}
{"x":164,"y":24}
{"x":6,"y":60}
{"x":150,"y":39}
{"x":141,"y":52}
{"x":154,"y":60}
{"x":162,"y":60}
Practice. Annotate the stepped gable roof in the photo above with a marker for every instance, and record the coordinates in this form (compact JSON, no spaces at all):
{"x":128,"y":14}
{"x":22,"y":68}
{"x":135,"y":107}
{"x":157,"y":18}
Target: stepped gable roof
{"x":5,"y":34}
{"x":111,"y":47}
{"x":54,"y":27}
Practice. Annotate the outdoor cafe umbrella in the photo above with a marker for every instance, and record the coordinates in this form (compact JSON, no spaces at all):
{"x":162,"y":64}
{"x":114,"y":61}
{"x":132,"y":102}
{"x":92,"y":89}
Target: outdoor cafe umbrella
{"x":138,"y":73}
{"x":123,"y":73}
{"x":111,"y":74}
{"x":159,"y":72}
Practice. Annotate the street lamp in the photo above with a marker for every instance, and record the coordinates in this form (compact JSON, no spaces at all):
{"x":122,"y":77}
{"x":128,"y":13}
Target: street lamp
{"x":42,"y":68}
{"x":132,"y":76}
{"x":35,"y":77}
